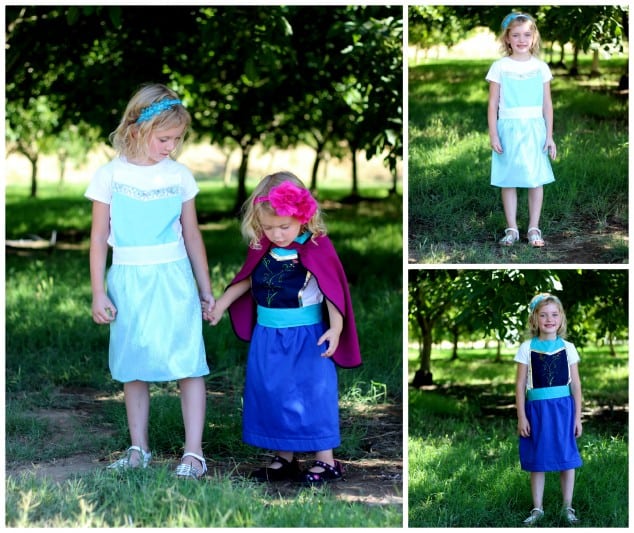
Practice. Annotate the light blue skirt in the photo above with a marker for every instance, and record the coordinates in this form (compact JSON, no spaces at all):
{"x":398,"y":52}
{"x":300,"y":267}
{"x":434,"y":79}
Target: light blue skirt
{"x":157,"y":333}
{"x":524,"y":162}
{"x":291,"y":395}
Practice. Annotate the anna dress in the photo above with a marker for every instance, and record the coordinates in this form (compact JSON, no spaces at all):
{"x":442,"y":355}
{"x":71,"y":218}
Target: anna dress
{"x":550,"y":406}
{"x":291,"y":394}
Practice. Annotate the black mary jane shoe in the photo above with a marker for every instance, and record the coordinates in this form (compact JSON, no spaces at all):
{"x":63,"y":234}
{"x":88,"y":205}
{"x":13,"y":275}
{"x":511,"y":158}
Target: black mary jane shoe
{"x":330,"y":473}
{"x":287,"y":472}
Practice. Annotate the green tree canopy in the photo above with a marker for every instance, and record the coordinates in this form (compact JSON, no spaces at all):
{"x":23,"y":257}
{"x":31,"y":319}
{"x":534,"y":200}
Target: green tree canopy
{"x":494,"y":304}
{"x":271,"y":74}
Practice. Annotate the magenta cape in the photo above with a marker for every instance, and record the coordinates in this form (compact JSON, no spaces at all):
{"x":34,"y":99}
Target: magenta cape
{"x":321,"y":260}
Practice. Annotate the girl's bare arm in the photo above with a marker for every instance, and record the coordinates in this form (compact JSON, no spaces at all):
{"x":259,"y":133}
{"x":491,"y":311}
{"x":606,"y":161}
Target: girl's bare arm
{"x":492,"y":116}
{"x":523,"y":426}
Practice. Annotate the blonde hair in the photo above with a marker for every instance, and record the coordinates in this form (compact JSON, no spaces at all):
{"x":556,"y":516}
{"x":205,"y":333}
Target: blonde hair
{"x":513,"y":20}
{"x":252,"y":229}
{"x":131,"y":138}
{"x":538,"y":301}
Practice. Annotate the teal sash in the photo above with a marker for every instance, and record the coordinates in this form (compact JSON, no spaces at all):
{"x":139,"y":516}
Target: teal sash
{"x":548,"y":393}
{"x":271,"y":317}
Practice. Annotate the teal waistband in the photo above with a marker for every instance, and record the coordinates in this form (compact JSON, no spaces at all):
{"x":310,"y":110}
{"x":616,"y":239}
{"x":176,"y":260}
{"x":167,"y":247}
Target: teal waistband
{"x":548,"y":393}
{"x":289,"y":317}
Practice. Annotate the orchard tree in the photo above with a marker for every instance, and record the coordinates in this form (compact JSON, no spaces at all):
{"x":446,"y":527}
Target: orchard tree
{"x":30,"y":131}
{"x":248,"y":74}
{"x":495,"y":304}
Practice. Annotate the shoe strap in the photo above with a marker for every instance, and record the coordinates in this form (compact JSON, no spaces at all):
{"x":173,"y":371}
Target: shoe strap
{"x":196,"y":456}
{"x":336,"y":470}
{"x":137,"y":449}
{"x":539,"y":232}
{"x":281,"y":460}
{"x":144,"y":455}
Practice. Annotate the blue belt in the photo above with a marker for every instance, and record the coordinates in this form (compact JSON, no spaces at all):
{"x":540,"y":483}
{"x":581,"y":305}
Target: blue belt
{"x":548,"y":393}
{"x":271,"y":317}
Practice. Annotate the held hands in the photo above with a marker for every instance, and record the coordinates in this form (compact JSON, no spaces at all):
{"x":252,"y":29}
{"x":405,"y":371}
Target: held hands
{"x":215,"y":314}
{"x":207,"y":304}
{"x":331,"y":336}
{"x":103,"y":310}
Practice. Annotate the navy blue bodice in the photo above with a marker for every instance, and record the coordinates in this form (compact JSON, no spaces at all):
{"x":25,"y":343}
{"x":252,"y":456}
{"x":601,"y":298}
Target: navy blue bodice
{"x":549,"y":363}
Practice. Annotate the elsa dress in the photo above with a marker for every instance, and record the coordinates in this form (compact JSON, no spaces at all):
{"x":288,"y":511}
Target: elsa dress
{"x":157,"y":333}
{"x":521,"y":127}
{"x":291,"y":392}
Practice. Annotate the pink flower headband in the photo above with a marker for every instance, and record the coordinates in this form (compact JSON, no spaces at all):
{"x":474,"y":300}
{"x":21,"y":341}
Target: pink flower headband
{"x":289,"y":200}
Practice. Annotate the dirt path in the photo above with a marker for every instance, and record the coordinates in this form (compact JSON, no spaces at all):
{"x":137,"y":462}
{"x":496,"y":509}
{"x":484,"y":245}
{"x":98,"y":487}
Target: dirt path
{"x":375,"y":479}
{"x":587,"y":245}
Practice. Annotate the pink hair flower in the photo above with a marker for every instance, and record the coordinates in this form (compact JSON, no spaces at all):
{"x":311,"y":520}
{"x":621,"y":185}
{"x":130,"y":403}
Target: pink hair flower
{"x":289,"y":200}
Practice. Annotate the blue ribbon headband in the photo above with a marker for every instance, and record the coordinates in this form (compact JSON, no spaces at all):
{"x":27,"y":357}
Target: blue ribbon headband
{"x":156,"y":109}
{"x":511,"y":17}
{"x":535,"y":302}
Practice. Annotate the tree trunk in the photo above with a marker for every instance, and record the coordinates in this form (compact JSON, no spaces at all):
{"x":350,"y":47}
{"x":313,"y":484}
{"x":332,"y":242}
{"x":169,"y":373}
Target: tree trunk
{"x":355,"y":184}
{"x":423,"y":375}
{"x":242,"y":178}
{"x":315,"y":170}
{"x":33,"y":160}
{"x":394,"y":190}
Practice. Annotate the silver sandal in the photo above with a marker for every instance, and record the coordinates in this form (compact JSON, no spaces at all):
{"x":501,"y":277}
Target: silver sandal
{"x":125,"y":462}
{"x":571,"y":515}
{"x":184,"y":470}
{"x":534,"y":236}
{"x":511,"y":235}
{"x":534,"y":517}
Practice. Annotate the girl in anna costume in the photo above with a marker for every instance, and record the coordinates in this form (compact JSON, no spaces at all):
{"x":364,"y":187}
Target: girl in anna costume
{"x":291,"y":301}
{"x":548,"y":397}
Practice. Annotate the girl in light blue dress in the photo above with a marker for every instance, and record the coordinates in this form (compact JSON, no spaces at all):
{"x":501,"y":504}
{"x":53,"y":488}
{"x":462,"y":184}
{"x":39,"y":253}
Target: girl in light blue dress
{"x":144,"y":208}
{"x":520,"y":117}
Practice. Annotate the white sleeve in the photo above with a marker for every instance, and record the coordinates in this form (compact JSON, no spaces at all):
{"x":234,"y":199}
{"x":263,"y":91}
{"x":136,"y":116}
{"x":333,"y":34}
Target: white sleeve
{"x":523,"y":354}
{"x":100,"y":187}
{"x":189,"y":186}
{"x":547,"y":75}
{"x":571,"y":353}
{"x":494,"y":73}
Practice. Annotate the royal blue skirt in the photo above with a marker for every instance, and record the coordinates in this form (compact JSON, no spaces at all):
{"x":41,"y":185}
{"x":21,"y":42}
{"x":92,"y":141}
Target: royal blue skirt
{"x":291,"y":394}
{"x":552,"y":445}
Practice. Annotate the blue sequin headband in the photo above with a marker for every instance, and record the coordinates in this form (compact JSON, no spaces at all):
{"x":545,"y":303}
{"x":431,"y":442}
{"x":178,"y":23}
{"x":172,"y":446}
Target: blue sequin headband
{"x":535,"y":302}
{"x":156,"y":109}
{"x":511,"y":17}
